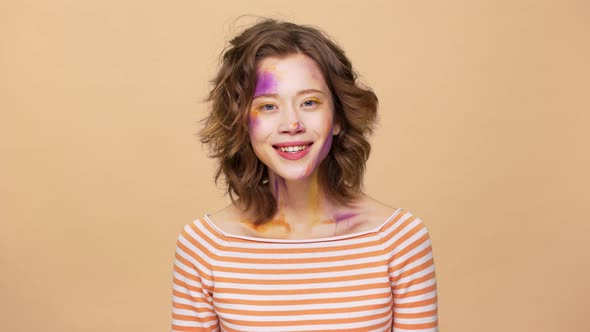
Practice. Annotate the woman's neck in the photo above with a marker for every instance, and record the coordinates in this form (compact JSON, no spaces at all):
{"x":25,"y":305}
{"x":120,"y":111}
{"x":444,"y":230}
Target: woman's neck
{"x":300,"y":201}
{"x":304,"y":211}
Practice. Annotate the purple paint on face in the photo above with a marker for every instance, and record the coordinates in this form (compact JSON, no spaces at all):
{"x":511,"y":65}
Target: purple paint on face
{"x":342,"y":216}
{"x":327,"y":145}
{"x":265,"y":83}
{"x":277,"y":189}
{"x":281,"y":184}
{"x":322,"y":153}
{"x":253,"y":119}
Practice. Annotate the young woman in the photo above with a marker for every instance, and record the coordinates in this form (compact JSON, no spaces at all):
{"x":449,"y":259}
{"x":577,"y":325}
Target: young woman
{"x":301,"y":247}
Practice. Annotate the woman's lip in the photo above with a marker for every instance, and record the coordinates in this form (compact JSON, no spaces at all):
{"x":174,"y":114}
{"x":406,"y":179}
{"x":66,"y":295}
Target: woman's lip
{"x":295,"y":155}
{"x":287,"y":144}
{"x":277,"y":147}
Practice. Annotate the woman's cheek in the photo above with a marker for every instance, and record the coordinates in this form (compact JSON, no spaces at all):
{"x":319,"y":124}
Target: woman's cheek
{"x":268,"y":124}
{"x":325,"y":147}
{"x":253,"y":119}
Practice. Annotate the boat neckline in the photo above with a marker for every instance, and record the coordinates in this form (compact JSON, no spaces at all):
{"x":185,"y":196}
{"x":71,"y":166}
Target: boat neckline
{"x":319,"y":239}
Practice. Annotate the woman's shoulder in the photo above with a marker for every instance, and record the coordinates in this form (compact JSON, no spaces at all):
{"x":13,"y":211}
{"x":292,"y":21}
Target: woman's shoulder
{"x":373,"y":212}
{"x":227,"y":220}
{"x":376,"y":208}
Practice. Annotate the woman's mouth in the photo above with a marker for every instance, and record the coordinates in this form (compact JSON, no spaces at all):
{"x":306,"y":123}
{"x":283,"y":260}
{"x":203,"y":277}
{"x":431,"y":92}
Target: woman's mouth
{"x":293,"y":149}
{"x":293,"y":152}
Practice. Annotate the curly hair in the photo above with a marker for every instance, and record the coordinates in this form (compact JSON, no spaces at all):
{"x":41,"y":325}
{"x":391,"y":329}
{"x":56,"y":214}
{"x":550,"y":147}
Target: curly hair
{"x":226,"y":129}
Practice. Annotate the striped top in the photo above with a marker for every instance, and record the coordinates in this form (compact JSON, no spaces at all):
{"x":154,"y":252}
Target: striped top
{"x":378,"y":280}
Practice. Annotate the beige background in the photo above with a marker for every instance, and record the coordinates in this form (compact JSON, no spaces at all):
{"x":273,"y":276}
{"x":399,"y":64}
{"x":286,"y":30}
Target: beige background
{"x":484,"y":135}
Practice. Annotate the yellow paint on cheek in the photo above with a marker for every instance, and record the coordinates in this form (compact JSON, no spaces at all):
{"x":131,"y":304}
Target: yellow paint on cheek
{"x":308,"y":168}
{"x":253,"y":118}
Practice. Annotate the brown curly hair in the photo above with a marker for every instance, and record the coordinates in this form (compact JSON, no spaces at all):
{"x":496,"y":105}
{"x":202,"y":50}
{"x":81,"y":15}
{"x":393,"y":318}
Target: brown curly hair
{"x":226,"y":127}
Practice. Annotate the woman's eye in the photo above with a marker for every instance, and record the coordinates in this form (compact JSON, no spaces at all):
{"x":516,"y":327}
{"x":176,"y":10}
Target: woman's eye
{"x":268,"y":107}
{"x":309,"y":103}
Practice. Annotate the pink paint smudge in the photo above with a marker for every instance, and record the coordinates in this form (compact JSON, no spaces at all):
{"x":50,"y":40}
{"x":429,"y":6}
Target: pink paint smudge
{"x":342,"y":216}
{"x":277,"y":189}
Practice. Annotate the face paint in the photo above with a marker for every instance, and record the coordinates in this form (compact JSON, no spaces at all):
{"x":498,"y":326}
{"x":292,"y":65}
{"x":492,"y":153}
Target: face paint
{"x":343,"y":216}
{"x":253,"y":119}
{"x":292,"y":103}
{"x":278,"y":226}
{"x":279,"y":183}
{"x":266,"y":83}
{"x":324,"y":150}
{"x":327,"y":146}
{"x":309,"y":168}
{"x":314,"y":199}
{"x":296,"y":126}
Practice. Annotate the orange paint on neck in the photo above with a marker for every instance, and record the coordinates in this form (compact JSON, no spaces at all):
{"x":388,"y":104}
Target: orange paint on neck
{"x":314,"y":199}
{"x":279,"y":226}
{"x":272,"y":225}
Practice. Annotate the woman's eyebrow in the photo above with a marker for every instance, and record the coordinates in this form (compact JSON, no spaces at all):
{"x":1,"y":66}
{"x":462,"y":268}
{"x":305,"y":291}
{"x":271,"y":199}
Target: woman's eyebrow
{"x":306,"y":91}
{"x":299,"y":93}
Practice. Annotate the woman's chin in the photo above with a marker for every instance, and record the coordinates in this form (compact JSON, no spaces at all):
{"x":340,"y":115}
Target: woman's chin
{"x":295,"y":174}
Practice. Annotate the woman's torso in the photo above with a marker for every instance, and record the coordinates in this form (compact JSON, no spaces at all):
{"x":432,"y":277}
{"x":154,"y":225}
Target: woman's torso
{"x":332,"y":283}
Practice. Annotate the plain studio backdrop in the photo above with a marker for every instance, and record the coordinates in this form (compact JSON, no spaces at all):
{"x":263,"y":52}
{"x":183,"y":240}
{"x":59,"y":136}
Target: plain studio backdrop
{"x":484,"y":134}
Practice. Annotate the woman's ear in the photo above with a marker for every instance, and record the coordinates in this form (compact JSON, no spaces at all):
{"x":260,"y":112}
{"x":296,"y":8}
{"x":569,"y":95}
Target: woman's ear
{"x":336,"y":129}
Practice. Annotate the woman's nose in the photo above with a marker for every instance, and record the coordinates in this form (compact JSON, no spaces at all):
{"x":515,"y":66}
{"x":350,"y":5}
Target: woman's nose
{"x":290,"y":123}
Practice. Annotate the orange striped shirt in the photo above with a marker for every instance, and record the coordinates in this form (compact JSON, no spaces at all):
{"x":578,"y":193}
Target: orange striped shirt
{"x":378,"y":280}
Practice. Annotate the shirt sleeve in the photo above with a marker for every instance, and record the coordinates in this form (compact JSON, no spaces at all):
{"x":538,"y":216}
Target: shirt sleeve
{"x":412,"y":276}
{"x":192,"y":303}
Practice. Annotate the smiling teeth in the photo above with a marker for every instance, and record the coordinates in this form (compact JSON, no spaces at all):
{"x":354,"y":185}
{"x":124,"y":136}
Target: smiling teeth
{"x":293,"y":148}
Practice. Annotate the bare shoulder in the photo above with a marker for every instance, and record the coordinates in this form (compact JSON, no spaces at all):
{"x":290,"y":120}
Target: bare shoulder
{"x":227,"y":219}
{"x":379,"y":208}
{"x":372,"y":212}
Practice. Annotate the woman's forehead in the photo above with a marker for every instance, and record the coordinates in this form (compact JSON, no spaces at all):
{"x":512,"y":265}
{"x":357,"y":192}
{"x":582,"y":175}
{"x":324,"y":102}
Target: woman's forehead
{"x":292,"y":63}
{"x":296,"y":70}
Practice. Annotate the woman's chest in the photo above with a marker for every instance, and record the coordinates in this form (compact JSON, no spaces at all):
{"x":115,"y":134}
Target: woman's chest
{"x":315,"y":291}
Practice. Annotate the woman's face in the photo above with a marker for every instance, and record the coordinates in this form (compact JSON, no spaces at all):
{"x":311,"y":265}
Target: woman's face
{"x":291,"y":116}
